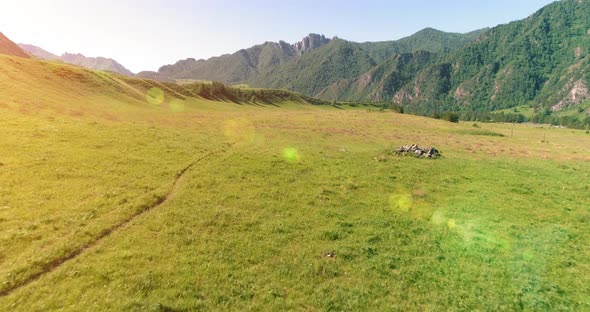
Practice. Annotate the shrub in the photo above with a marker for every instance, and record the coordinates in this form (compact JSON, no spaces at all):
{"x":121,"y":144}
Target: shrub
{"x":397,"y":109}
{"x":452,"y":117}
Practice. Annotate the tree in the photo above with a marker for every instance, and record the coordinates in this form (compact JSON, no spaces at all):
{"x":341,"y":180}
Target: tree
{"x":452,"y":117}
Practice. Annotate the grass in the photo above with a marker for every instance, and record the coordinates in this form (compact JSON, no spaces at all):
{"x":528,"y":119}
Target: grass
{"x":480,"y":132}
{"x":580,"y":111}
{"x":526,"y":110}
{"x":499,"y":223}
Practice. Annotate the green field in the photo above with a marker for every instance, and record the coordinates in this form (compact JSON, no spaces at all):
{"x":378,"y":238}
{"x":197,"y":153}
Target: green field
{"x":111,"y":200}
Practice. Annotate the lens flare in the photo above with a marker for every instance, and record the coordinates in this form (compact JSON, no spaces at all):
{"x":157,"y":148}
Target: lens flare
{"x":528,"y":255}
{"x":176,"y":106}
{"x":290,"y":154}
{"x":438,"y":217}
{"x":472,"y":232}
{"x":451,"y":224}
{"x":401,"y":202}
{"x":240,"y":131}
{"x":155,"y":96}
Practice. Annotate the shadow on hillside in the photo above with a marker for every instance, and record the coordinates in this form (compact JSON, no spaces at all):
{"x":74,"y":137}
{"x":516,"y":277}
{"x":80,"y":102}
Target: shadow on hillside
{"x":216,"y":91}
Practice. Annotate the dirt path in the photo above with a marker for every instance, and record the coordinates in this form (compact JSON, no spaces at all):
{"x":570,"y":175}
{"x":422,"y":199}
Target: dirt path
{"x":56,"y":263}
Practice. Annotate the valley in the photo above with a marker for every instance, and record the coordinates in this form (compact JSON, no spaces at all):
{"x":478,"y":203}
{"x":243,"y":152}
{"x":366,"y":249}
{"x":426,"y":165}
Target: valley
{"x":286,"y":177}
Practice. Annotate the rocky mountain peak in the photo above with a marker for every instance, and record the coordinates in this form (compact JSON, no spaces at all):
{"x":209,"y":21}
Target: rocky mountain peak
{"x":309,"y":43}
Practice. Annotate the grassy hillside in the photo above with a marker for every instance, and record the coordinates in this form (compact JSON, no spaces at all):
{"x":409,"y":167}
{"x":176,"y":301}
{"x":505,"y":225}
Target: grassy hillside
{"x":7,"y":47}
{"x":73,"y":121}
{"x":43,"y":86}
{"x":127,"y":194}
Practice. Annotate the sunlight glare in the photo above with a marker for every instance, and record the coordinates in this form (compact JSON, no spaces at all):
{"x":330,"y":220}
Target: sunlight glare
{"x":240,"y":131}
{"x":401,"y":201}
{"x":291,"y":155}
{"x":155,"y":96}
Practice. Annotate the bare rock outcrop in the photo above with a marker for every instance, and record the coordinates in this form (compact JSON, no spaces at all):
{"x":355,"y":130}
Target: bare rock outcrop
{"x":309,"y":43}
{"x":577,"y":95}
{"x":416,"y":151}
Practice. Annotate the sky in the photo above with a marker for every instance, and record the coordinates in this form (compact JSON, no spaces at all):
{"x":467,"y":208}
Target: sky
{"x":144,"y":35}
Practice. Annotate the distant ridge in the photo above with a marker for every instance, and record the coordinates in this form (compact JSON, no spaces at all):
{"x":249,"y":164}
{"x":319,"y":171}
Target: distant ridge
{"x":241,"y":66}
{"x":38,"y":52}
{"x":307,"y":66}
{"x":10,"y":48}
{"x":340,"y":59}
{"x":97,"y":63}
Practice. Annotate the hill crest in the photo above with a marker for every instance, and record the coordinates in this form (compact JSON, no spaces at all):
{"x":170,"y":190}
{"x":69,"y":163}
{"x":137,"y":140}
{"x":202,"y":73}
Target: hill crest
{"x":10,"y":48}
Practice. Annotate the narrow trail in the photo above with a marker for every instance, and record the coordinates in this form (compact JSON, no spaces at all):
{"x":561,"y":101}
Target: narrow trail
{"x":56,"y":263}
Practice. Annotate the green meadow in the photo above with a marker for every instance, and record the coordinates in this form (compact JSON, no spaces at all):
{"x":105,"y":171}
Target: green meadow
{"x":120,"y":194}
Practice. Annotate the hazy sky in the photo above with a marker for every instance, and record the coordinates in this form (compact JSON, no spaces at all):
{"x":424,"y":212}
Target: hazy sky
{"x":144,"y":35}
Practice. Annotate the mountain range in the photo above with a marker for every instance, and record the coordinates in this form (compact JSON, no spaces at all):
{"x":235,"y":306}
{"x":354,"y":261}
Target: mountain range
{"x":541,"y":62}
{"x":244,"y":65}
{"x":307,"y":66}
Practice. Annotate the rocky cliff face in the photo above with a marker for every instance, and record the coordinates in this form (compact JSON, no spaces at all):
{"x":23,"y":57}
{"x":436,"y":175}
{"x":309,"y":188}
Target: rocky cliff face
{"x":309,"y":43}
{"x":577,"y":95}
